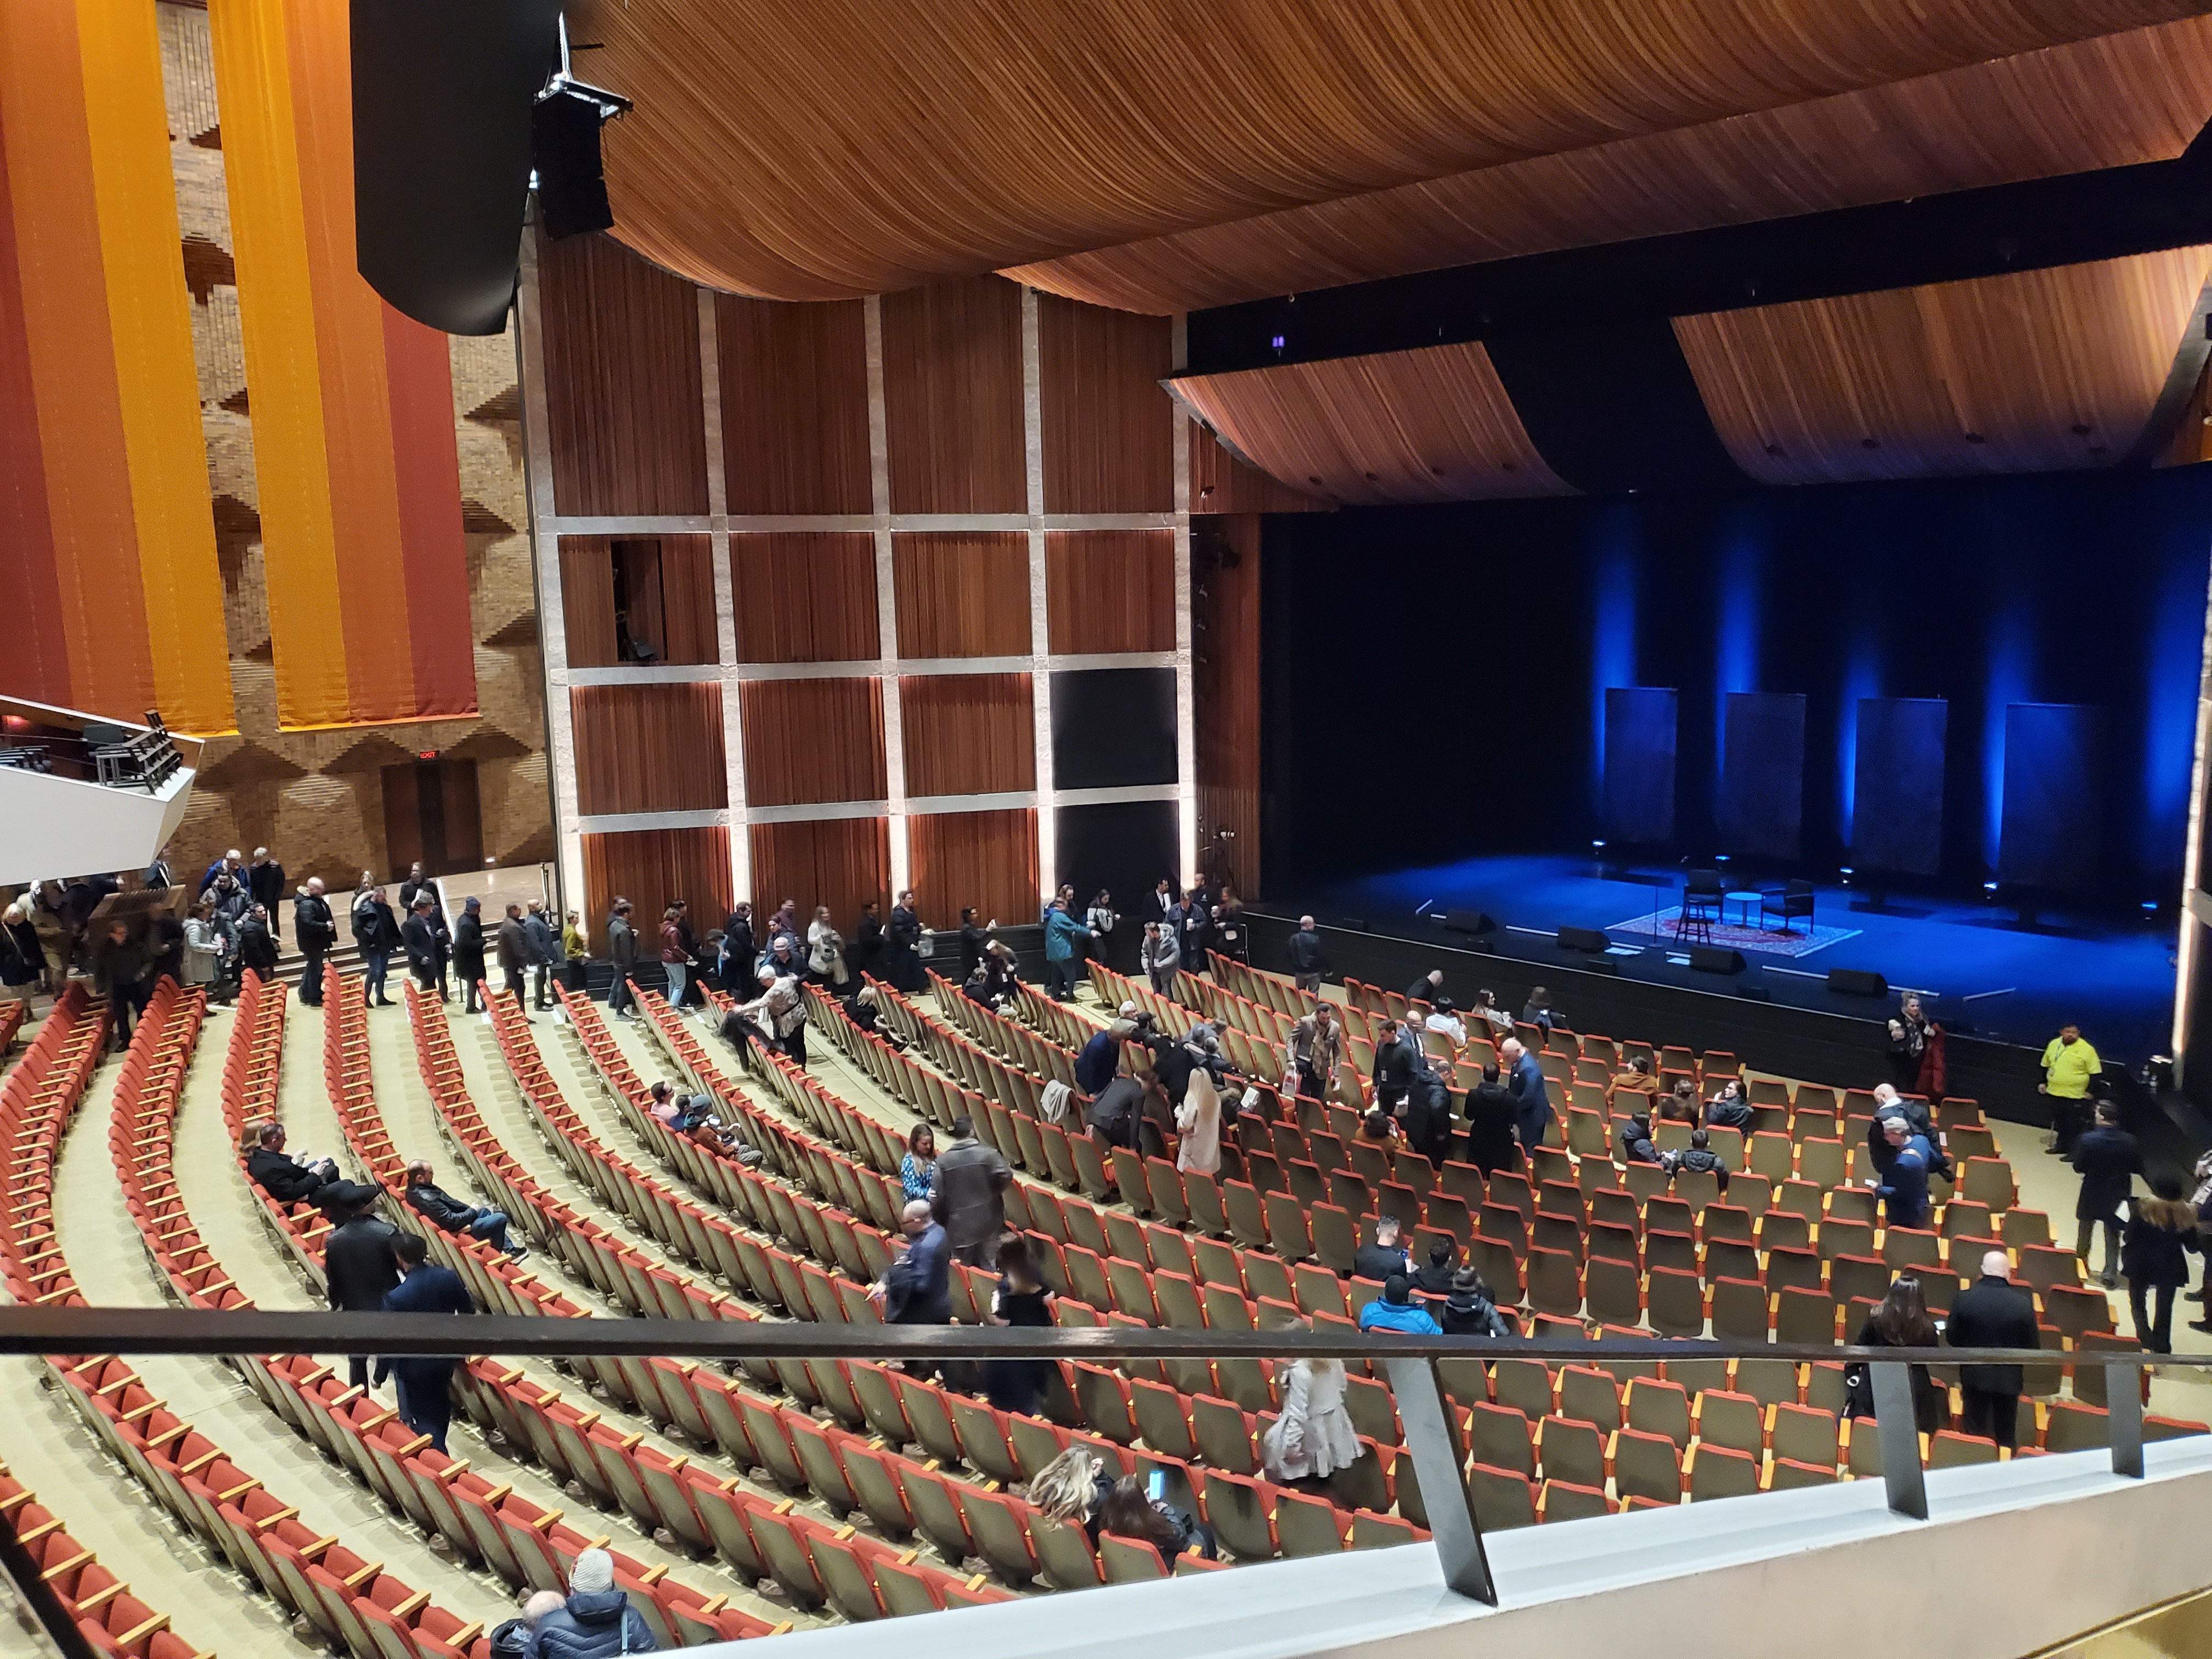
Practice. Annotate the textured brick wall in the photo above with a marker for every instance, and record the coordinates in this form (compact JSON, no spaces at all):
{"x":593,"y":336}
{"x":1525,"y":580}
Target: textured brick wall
{"x":317,"y":796}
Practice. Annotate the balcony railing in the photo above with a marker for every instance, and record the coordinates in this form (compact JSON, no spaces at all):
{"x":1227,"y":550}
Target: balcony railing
{"x":1409,"y":1362}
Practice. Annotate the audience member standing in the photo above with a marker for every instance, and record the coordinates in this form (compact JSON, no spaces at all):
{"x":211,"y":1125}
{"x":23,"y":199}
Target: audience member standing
{"x":1304,"y":953}
{"x":1100,"y":918}
{"x":903,"y":944}
{"x":314,"y":930}
{"x":1232,"y":934}
{"x":576,"y":954}
{"x":416,"y":886}
{"x":119,"y":973}
{"x":1313,"y":1438}
{"x":917,"y":1287}
{"x":257,"y":945}
{"x":1901,"y":1321}
{"x":468,"y":953}
{"x":512,"y":943}
{"x":1491,"y":1145}
{"x":265,"y":886}
{"x":675,"y":960}
{"x":2109,"y":1159}
{"x":426,"y":949}
{"x":825,"y":952}
{"x":1992,"y":1313}
{"x":2161,"y":1233}
{"x":1313,"y":1054}
{"x":545,"y":954}
{"x":1062,"y":932}
{"x":1532,"y":1099}
{"x":975,"y":941}
{"x":971,"y":1183}
{"x":2070,"y":1066}
{"x":868,"y":941}
{"x":376,"y":931}
{"x":232,"y":863}
{"x":737,"y":936}
{"x":1022,"y":1300}
{"x":425,"y":1383}
{"x":1904,"y":1189}
{"x":621,"y":951}
{"x":358,"y":1266}
{"x":1160,"y":957}
{"x":203,"y":952}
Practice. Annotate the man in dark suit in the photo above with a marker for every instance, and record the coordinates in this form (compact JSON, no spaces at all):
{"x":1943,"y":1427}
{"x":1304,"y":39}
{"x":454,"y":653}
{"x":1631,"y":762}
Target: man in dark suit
{"x":1386,"y":1256}
{"x":283,"y":1178}
{"x":314,"y":931}
{"x":1532,"y":1099}
{"x":426,"y":951}
{"x":159,"y":877}
{"x":2109,"y":1159}
{"x":426,"y":1403}
{"x":358,"y":1266}
{"x":903,"y":944}
{"x":264,"y":881}
{"x":1992,"y":1313}
{"x":515,"y":954}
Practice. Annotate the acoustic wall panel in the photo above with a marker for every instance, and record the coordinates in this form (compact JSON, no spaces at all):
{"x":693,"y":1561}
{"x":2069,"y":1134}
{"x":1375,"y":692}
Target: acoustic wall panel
{"x":952,"y":398}
{"x":794,"y":382}
{"x":1762,"y":785}
{"x":2048,"y":836}
{"x":1125,"y":846}
{"x":839,"y":862}
{"x":988,"y":859}
{"x":1110,"y":590}
{"x":1897,"y":786}
{"x":1639,"y":765}
{"x":813,"y":741}
{"x":806,"y":596}
{"x":961,"y":592}
{"x":967,"y":734}
{"x":649,"y":748}
{"x":651,"y":868}
{"x":1113,"y":727}
{"x":1108,"y":426}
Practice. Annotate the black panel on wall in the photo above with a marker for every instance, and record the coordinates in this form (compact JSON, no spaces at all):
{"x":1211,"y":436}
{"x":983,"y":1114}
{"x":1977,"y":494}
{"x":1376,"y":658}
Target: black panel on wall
{"x":1762,"y":797}
{"x":1639,"y":763}
{"x":1897,"y":815}
{"x":1113,"y":728}
{"x":1125,"y":846}
{"x":2052,"y":801}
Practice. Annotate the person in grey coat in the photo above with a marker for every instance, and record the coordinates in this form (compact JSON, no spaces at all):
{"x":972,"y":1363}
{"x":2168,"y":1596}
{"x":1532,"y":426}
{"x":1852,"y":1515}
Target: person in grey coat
{"x":545,"y":953}
{"x":622,"y":950}
{"x":971,"y":1183}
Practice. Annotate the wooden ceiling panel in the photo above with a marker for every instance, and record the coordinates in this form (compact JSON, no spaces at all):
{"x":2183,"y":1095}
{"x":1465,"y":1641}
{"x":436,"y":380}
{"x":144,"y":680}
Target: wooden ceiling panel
{"x":2034,"y":372}
{"x":1433,"y":425}
{"x":801,"y":149}
{"x":2140,"y":96}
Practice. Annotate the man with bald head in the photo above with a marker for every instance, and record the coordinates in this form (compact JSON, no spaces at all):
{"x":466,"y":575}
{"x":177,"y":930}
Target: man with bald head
{"x":918,"y":1286}
{"x":1992,"y":1313}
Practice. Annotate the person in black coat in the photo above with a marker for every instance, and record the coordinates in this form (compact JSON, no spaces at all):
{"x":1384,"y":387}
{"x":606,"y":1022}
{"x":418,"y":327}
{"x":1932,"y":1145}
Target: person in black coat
{"x":280,"y":1177}
{"x":2154,"y":1251}
{"x":1471,"y":1309}
{"x":469,"y":953}
{"x":265,"y":886}
{"x":1304,"y":954}
{"x":1385,"y":1255}
{"x":257,"y":945}
{"x":1428,"y":1122}
{"x":1396,"y":1050}
{"x":314,"y":930}
{"x":358,"y":1266}
{"x":903,"y":946}
{"x":426,"y":945}
{"x":1992,"y":1313}
{"x":1901,"y":1321}
{"x":425,"y":1383}
{"x":1490,"y":1143}
{"x":2109,"y":1159}
{"x":975,"y":941}
{"x":376,"y":931}
{"x":868,"y":940}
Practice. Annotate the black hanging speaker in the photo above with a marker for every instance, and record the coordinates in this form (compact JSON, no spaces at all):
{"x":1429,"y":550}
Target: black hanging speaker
{"x":571,"y":189}
{"x":1713,"y":959}
{"x":1582,"y":938}
{"x":441,"y":103}
{"x":1856,"y":983}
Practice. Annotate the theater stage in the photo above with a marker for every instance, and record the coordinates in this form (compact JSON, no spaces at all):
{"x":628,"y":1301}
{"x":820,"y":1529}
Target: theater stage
{"x":1975,"y":966}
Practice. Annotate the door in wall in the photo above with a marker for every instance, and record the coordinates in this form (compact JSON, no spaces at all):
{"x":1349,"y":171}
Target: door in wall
{"x":431,"y":813}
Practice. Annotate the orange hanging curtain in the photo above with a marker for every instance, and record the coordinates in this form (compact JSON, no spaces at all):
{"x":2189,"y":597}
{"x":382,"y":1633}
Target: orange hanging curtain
{"x":106,"y":533}
{"x":367,"y":571}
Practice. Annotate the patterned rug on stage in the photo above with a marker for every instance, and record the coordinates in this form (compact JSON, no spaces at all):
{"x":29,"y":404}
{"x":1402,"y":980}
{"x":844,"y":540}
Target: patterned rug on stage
{"x":1732,"y":935}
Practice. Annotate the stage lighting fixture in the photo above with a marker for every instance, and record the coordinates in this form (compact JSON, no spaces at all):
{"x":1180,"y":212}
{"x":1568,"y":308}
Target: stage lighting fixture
{"x":2150,"y":907}
{"x":1597,"y":846}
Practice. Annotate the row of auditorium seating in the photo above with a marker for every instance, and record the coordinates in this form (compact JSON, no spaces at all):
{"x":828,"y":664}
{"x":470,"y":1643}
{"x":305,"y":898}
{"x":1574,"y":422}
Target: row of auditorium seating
{"x":349,"y":1598}
{"x":12,"y":1018}
{"x":106,"y":1613}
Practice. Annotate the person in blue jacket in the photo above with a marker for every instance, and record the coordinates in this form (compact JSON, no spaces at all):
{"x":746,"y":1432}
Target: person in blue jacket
{"x":426,"y":1404}
{"x":1396,"y":1310}
{"x":1061,"y":931}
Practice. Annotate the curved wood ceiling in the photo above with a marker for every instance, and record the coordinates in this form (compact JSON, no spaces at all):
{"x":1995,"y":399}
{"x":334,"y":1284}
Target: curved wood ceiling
{"x":1433,"y":425}
{"x":2140,"y":96}
{"x":811,"y":149}
{"x":2034,"y":372}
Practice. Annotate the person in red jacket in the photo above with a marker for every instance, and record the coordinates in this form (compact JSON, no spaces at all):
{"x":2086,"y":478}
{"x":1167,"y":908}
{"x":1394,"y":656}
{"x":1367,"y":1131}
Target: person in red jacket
{"x":675,"y":960}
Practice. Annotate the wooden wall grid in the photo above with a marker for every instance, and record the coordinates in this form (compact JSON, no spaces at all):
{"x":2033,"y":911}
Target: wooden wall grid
{"x":650,"y":867}
{"x":968,"y":734}
{"x":805,"y":596}
{"x":962,"y":592}
{"x":1225,"y":672}
{"x":952,"y":398}
{"x":988,"y":859}
{"x":649,"y":748}
{"x":809,"y":741}
{"x":794,"y":382}
{"x":1110,"y":590}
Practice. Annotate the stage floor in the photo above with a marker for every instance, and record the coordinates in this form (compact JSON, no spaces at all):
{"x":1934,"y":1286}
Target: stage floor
{"x":2009,"y":984}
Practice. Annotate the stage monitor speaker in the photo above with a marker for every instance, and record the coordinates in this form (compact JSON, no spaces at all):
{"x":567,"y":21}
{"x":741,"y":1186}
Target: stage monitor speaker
{"x":1754,"y":993}
{"x":1853,"y":982}
{"x":1712,"y":959}
{"x":1608,"y":965}
{"x":1582,"y":938}
{"x":1479,"y":923}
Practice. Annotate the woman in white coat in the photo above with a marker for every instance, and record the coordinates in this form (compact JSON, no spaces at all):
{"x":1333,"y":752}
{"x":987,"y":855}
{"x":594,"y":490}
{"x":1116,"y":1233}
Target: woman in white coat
{"x":825,"y":951}
{"x":1313,"y":1438}
{"x":1198,"y":1122}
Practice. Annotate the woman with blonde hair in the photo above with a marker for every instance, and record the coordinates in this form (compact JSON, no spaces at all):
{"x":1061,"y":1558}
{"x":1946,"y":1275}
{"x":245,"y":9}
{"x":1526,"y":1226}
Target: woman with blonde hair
{"x":1070,"y":1488}
{"x":1313,"y":1438}
{"x":825,"y":951}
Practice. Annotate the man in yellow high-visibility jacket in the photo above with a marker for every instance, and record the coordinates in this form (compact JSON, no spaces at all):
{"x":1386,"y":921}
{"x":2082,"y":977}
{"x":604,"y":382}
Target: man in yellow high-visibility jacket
{"x":2069,"y":1065}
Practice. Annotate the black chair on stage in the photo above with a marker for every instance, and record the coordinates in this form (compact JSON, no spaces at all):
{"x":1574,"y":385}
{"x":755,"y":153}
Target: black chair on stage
{"x":1701,"y":905}
{"x":1789,"y":901}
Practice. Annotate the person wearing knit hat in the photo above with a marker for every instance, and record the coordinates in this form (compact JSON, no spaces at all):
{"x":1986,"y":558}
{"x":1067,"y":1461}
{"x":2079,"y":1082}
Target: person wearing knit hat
{"x":597,"y":1621}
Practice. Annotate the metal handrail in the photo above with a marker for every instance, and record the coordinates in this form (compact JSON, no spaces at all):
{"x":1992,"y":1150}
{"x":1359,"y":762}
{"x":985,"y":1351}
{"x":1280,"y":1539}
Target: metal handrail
{"x":1439,"y":1465}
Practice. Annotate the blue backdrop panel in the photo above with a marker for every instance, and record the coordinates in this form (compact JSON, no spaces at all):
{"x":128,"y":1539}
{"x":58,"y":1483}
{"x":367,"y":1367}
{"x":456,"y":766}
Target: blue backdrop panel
{"x":1762,"y":797}
{"x":2052,"y":801}
{"x":1897,"y":789}
{"x":1639,"y":765}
